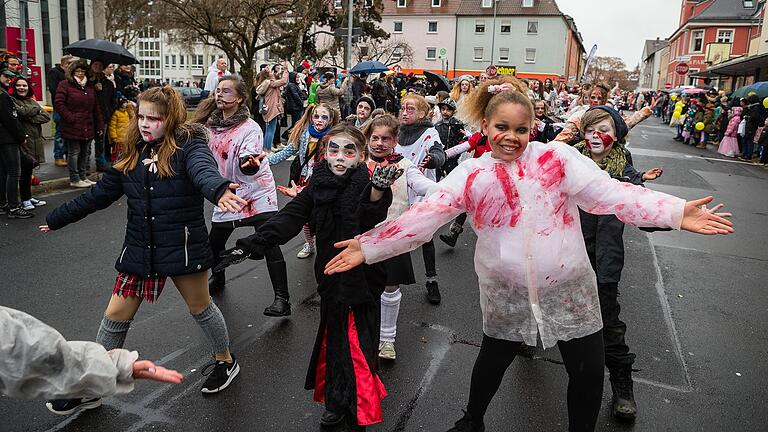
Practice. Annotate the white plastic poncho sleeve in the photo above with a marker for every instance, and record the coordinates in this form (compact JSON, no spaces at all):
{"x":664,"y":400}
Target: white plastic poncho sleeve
{"x":37,"y":362}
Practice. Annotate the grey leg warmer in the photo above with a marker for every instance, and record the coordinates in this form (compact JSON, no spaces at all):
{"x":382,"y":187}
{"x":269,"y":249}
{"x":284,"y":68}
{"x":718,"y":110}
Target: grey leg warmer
{"x":112,"y":334}
{"x":211,"y":321}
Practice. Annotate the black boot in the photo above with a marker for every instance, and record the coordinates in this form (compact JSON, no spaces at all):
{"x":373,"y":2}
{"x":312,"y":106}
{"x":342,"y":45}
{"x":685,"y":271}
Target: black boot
{"x":451,"y":238}
{"x":468,"y":424}
{"x":330,"y":418}
{"x":217,"y":282}
{"x":433,"y":293}
{"x":279,"y":277}
{"x":623,"y":406}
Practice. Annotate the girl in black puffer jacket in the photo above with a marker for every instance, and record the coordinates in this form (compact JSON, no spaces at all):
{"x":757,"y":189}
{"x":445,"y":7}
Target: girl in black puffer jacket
{"x":166,"y":172}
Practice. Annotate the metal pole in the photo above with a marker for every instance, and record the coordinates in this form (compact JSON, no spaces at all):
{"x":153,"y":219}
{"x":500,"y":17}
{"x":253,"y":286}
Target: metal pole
{"x":493,"y":32}
{"x":350,"y":7}
{"x":23,"y":35}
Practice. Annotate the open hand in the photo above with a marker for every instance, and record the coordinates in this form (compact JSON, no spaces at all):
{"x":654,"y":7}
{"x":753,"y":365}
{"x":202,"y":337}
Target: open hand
{"x":44,"y":228}
{"x":230,"y":202}
{"x":289,"y":191}
{"x":253,"y":161}
{"x":653,"y":174}
{"x":348,"y":259}
{"x":385,"y":175}
{"x":698,"y":219}
{"x":145,"y":369}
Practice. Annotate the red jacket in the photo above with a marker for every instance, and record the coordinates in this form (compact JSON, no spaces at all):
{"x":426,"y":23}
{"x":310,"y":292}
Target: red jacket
{"x":80,"y":114}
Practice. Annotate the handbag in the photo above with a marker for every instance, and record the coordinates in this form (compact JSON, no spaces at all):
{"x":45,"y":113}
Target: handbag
{"x":261,"y":105}
{"x":296,"y":167}
{"x":742,"y":127}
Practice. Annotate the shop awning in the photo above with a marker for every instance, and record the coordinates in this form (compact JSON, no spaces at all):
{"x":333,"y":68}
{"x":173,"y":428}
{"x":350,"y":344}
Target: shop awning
{"x":737,"y":67}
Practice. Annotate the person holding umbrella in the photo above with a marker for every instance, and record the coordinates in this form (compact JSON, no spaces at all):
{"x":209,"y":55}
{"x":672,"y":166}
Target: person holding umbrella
{"x":328,"y":93}
{"x":105,"y":96}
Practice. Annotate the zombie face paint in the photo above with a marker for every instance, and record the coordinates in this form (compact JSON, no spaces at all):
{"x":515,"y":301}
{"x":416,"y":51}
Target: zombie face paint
{"x":596,"y":98}
{"x":341,"y":154}
{"x":508,"y":130}
{"x":363,"y":111}
{"x":151,"y":122}
{"x":540,"y":108}
{"x":227,"y":98}
{"x":321,"y":118}
{"x":381,"y":143}
{"x":409,"y":113}
{"x":600,"y":137}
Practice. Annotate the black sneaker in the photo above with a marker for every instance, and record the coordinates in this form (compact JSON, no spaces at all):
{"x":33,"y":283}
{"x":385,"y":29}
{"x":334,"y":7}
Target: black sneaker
{"x":468,"y":424}
{"x":220,"y":374}
{"x":433,"y":293}
{"x":69,"y":406}
{"x":19,"y":213}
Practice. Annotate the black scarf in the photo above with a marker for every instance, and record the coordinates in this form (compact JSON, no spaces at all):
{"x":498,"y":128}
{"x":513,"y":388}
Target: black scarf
{"x":391,"y":158}
{"x":217,"y":119}
{"x":410,"y":133}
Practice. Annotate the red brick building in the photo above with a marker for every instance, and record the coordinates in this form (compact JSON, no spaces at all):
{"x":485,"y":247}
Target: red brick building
{"x":719,"y":22}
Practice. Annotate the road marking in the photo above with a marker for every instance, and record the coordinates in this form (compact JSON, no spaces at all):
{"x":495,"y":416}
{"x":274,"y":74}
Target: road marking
{"x":723,"y":160}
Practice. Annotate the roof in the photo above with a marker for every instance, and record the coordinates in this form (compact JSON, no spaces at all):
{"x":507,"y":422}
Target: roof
{"x":653,"y":45}
{"x":728,"y":10}
{"x":421,"y":7}
{"x":510,"y":7}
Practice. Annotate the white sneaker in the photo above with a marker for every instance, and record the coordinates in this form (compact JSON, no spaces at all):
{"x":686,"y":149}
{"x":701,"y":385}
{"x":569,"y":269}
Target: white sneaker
{"x":306,"y":251}
{"x":387,"y":350}
{"x":90,"y":182}
{"x":27,"y":205}
{"x":80,"y":184}
{"x":37,"y":203}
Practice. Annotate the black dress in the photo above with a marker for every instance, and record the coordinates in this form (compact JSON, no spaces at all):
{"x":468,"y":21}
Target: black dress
{"x":343,"y":367}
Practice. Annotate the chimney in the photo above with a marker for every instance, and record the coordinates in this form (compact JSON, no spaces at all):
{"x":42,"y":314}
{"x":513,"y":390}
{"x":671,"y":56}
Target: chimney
{"x":687,"y":8}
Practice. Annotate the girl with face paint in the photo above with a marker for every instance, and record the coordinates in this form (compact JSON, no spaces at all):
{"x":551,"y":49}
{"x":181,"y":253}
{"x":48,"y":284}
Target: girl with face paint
{"x":340,"y":200}
{"x":528,"y":194}
{"x":166,"y":171}
{"x":303,"y":140}
{"x":237,"y":143}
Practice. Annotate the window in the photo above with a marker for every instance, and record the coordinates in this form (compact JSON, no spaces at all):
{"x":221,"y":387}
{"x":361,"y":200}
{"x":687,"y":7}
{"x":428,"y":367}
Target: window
{"x":479,"y":26}
{"x":398,"y":27}
{"x":435,"y":3}
{"x":527,"y":3}
{"x":749,"y":3}
{"x":397,"y":54}
{"x":504,"y":55}
{"x":181,"y":61}
{"x":173,"y":60}
{"x":533,"y":27}
{"x":697,"y":40}
{"x":530,"y":55}
{"x":478,"y":54}
{"x":213,"y":59}
{"x":364,"y":51}
{"x":725,"y":36}
{"x":167,"y":61}
{"x":506,"y":26}
{"x":431,"y":53}
{"x":486,"y":3}
{"x":197,"y":60}
{"x":337,"y":4}
{"x":401,"y":3}
{"x":432,"y":27}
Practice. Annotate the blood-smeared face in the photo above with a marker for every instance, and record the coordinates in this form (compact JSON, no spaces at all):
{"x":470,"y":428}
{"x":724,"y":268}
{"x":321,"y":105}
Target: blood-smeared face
{"x":151,"y":122}
{"x":596,"y":98}
{"x":226,"y":96}
{"x":363,"y":111}
{"x":600,"y":137}
{"x":321,"y":118}
{"x":341,"y":154}
{"x":410,"y":113}
{"x":508,"y":130}
{"x":382,"y":142}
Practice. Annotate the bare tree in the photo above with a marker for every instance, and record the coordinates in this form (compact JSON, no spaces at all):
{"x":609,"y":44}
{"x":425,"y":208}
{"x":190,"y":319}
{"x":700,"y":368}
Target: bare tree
{"x":125,"y":19}
{"x":389,"y":52}
{"x":612,"y":70}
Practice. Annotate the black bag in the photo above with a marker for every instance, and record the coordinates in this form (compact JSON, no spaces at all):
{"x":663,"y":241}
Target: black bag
{"x":296,"y":167}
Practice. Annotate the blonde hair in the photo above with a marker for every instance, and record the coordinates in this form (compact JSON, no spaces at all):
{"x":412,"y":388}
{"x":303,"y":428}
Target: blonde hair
{"x":298,"y":129}
{"x":456,"y":91}
{"x":421,"y":104}
{"x":168,"y":102}
{"x":483,"y":103}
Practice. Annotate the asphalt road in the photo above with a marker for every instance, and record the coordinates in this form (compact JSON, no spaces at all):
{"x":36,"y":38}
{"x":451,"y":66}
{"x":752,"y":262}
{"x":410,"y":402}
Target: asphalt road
{"x":695,"y":307}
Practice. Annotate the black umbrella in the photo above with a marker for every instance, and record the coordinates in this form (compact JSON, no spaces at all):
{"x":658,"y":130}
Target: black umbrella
{"x":107,"y":51}
{"x":442,"y":82}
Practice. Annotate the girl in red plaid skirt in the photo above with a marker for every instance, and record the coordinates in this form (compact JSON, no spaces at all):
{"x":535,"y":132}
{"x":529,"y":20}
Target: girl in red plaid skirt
{"x":166,"y":172}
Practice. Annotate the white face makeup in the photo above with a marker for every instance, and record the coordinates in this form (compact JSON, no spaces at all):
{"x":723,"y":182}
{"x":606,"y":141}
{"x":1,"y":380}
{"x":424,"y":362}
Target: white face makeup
{"x":600,"y":137}
{"x":381,"y":143}
{"x":321,"y":118}
{"x":226,"y":96}
{"x":151,"y":122}
{"x":341,"y":154}
{"x":363,"y":111}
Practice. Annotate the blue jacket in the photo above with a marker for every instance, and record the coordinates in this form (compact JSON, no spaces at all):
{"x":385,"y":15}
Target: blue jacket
{"x":166,"y":233}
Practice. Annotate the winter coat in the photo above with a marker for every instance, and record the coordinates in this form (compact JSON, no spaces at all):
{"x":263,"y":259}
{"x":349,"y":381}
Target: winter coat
{"x":105,"y":95}
{"x":733,"y":123}
{"x":755,"y":116}
{"x":328,"y":93}
{"x":11,"y":132}
{"x":548,"y":133}
{"x":118,"y":125}
{"x":55,"y":75}
{"x":273,"y":99}
{"x":166,"y":233}
{"x":32,"y":117}
{"x":294,"y":96}
{"x":709,"y":118}
{"x":81,"y":117}
{"x":451,"y":134}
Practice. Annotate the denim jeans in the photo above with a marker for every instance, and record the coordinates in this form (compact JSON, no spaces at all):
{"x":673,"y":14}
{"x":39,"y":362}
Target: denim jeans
{"x":269,"y":133}
{"x":10,"y":171}
{"x":59,"y":148}
{"x":78,"y":151}
{"x":100,"y":146}
{"x":749,"y":145}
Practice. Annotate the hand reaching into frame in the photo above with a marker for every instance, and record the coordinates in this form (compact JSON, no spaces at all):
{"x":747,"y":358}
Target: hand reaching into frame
{"x":697,"y":218}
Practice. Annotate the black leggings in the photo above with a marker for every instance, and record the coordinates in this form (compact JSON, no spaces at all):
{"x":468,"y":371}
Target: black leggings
{"x":220,"y":234}
{"x":25,"y":181}
{"x":10,"y":172}
{"x":428,"y":252}
{"x":584,"y":361}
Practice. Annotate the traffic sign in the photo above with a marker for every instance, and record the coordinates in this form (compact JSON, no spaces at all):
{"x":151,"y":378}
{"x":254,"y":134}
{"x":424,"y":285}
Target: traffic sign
{"x":443,"y":51}
{"x":397,"y":68}
{"x":491,"y":71}
{"x":668,"y":86}
{"x":682,"y":68}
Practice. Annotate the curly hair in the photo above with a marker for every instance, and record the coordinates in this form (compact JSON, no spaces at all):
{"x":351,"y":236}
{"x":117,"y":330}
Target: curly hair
{"x":482,"y":103}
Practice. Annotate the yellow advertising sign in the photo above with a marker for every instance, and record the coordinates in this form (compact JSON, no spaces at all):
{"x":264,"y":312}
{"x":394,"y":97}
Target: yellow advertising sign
{"x":506,"y":70}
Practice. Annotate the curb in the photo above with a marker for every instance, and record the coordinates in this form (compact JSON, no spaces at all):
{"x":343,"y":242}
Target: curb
{"x":59,"y":184}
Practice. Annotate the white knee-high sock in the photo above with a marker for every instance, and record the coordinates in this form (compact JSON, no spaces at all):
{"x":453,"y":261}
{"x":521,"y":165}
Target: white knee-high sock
{"x":390,"y":308}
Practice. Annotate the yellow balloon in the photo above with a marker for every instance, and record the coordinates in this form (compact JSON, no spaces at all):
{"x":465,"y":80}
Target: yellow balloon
{"x":676,"y":115}
{"x":673,"y":97}
{"x":699,"y":126}
{"x":765,"y":102}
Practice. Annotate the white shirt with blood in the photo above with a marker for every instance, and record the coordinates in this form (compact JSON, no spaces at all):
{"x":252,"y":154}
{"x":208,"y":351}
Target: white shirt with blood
{"x":228,"y":146}
{"x":534,"y":274}
{"x":416,"y":153}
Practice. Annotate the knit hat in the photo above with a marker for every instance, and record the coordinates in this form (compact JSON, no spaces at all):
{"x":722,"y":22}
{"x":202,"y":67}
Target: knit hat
{"x":367,"y":100}
{"x":618,"y":122}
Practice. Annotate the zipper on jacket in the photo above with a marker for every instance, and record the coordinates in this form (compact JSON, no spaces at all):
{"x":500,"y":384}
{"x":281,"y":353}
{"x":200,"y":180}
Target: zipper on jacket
{"x":123,"y":254}
{"x":186,"y":251}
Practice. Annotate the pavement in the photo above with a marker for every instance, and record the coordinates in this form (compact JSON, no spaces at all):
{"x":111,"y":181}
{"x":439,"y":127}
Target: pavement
{"x":695,"y":308}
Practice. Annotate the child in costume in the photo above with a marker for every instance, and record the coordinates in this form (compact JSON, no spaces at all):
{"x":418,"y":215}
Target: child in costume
{"x":340,"y":200}
{"x":118,"y":125}
{"x":165,"y":172}
{"x":729,"y":146}
{"x":535,"y":277}
{"x":451,"y":132}
{"x":382,"y":135}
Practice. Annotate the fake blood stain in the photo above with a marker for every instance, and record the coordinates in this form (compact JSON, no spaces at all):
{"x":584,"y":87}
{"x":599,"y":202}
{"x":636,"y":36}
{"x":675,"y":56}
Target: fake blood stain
{"x":496,"y":207}
{"x":551,"y":171}
{"x":605,"y":138}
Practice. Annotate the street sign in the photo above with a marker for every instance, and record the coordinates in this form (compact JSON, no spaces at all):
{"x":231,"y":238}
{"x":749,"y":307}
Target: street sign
{"x":491,"y":71}
{"x":668,"y":86}
{"x":682,"y":68}
{"x":443,"y":51}
{"x":506,"y":70}
{"x":397,"y":68}
{"x":343,"y":32}
{"x":684,"y":58}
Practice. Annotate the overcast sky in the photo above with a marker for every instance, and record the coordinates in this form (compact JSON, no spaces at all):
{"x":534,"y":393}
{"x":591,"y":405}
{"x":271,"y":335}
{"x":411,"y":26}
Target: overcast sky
{"x":620,"y":27}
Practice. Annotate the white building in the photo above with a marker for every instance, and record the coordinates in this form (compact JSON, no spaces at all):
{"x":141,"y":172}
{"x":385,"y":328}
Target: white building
{"x":650,"y":70}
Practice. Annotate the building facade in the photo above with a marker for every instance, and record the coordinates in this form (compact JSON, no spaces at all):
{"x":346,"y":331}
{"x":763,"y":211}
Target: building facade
{"x":650,"y":72}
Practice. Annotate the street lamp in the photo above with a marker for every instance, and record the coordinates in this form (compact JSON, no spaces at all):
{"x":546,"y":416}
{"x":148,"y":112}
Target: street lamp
{"x":493,"y":32}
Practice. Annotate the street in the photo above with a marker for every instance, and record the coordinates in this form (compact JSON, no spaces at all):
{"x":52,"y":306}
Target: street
{"x":695,"y":308}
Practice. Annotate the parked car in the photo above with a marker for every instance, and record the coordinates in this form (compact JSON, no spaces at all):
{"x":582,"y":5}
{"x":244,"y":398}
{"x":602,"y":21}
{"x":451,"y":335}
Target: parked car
{"x":192,"y":95}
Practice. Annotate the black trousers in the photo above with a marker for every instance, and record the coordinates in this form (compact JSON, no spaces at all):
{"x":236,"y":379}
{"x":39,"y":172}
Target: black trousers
{"x":617,"y":354}
{"x":25,"y":181}
{"x":583,"y":358}
{"x":10,"y":172}
{"x":428,"y":253}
